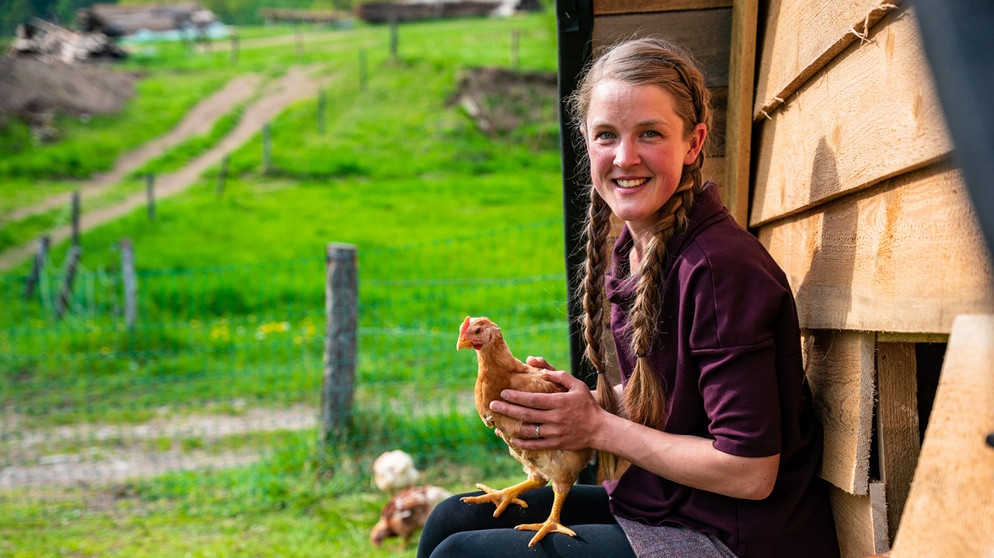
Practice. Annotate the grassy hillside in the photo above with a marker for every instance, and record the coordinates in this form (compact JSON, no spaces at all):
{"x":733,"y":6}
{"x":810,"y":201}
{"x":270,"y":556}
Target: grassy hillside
{"x":397,"y":170}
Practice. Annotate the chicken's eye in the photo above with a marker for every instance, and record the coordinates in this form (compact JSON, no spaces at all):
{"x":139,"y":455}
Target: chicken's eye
{"x":478,"y":330}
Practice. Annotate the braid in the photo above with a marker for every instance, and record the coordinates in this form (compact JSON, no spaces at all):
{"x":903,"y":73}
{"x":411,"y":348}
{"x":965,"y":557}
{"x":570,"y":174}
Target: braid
{"x":598,"y":227}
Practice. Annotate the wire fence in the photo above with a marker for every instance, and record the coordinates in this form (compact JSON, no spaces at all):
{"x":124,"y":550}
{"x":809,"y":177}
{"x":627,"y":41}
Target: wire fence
{"x":223,"y":366}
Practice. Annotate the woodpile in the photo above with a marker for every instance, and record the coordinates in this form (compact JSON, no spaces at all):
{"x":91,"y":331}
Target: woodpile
{"x":118,"y":21}
{"x":47,"y":40}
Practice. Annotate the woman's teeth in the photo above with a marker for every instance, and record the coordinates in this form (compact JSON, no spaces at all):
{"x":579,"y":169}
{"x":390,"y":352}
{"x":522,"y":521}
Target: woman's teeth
{"x":631,"y":183}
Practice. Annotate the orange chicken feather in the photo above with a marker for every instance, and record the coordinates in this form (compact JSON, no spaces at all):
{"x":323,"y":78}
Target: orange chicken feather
{"x":499,"y":370}
{"x":406,"y":513}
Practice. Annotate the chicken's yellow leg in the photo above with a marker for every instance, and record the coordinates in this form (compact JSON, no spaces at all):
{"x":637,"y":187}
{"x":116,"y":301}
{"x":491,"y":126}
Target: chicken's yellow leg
{"x":502,"y":498}
{"x":551,"y":524}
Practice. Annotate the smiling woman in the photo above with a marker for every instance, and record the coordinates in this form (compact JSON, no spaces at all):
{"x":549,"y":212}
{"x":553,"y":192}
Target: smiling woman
{"x":717,"y":445}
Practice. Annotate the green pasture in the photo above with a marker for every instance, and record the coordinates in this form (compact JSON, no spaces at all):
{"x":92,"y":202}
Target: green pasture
{"x":447,"y":221}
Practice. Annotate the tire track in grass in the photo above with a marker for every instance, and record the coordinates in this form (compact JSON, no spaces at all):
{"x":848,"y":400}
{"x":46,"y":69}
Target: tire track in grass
{"x":295,"y":85}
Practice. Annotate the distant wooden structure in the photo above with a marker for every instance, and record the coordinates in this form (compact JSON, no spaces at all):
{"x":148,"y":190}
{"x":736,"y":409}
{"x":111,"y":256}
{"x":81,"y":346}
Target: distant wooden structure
{"x":835,"y":153}
{"x":386,"y":12}
{"x":116,"y":20}
{"x":275,"y":15}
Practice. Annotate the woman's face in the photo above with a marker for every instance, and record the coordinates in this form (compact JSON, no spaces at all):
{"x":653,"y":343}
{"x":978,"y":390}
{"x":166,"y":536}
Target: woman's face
{"x":637,"y":149}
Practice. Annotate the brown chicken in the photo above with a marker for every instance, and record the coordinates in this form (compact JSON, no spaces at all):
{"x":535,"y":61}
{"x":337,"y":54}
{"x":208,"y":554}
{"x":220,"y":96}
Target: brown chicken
{"x":406,"y":513}
{"x":499,"y":370}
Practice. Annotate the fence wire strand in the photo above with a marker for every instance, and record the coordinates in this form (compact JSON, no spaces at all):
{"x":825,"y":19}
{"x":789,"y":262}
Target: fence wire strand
{"x":224,"y":365}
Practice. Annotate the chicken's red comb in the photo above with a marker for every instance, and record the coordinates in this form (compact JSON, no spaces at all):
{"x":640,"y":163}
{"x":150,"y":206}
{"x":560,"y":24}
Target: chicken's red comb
{"x":465,"y":326}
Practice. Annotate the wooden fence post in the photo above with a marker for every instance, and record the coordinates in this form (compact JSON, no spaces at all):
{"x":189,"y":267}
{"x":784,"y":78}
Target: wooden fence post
{"x":393,"y":38}
{"x":234,"y":48}
{"x":38,"y":267}
{"x":75,"y":218}
{"x":222,"y":174}
{"x":322,"y":101}
{"x":515,"y":37}
{"x":150,"y":194}
{"x":65,"y":292}
{"x":267,"y":148}
{"x":362,"y":69}
{"x":341,"y":317}
{"x":130,"y":282}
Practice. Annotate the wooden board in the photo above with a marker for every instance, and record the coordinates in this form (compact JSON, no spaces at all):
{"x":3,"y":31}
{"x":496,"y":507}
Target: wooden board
{"x":871,"y":114}
{"x":897,"y":424}
{"x":605,"y":7}
{"x":802,"y":36}
{"x":738,"y":126}
{"x":861,"y":522}
{"x":706,"y":33}
{"x":904,"y":256}
{"x":840,"y":370}
{"x":949,"y":510}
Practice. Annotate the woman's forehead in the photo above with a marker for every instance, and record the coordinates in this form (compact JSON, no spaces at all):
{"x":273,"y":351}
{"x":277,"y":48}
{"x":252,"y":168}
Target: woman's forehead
{"x":613,"y":99}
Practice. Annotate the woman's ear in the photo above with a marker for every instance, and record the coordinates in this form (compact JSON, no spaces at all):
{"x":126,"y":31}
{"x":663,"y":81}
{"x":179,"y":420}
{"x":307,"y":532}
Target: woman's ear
{"x":697,"y":137}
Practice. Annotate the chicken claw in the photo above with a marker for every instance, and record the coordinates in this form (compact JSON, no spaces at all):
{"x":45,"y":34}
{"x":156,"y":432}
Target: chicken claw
{"x":549,"y":526}
{"x":505,"y":497}
{"x":552,"y":524}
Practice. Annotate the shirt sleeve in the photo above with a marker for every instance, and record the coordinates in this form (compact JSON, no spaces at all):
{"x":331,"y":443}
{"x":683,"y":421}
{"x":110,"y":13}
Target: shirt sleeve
{"x":735,"y":305}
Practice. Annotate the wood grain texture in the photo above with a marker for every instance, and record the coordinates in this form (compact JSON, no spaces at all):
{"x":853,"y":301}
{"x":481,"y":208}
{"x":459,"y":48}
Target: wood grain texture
{"x":840,"y":370}
{"x":802,"y":36}
{"x":905,"y":256}
{"x":706,"y":33}
{"x":871,"y":114}
{"x":949,"y":510}
{"x":897,"y":424}
{"x":605,"y":7}
{"x":861,"y":521}
{"x":738,"y":123}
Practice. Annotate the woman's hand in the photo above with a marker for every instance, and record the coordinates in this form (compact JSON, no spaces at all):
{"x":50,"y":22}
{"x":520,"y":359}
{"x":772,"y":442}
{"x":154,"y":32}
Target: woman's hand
{"x":567,"y":420}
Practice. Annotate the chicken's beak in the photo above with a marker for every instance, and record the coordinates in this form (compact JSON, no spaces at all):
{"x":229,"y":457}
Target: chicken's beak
{"x":464,"y":343}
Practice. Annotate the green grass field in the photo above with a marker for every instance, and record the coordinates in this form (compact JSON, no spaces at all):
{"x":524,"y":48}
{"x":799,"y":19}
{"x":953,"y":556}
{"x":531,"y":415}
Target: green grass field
{"x":398,"y":171}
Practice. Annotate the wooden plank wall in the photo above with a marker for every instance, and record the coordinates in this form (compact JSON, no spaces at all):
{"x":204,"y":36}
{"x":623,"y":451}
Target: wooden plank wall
{"x":855,"y":193}
{"x":949,"y":508}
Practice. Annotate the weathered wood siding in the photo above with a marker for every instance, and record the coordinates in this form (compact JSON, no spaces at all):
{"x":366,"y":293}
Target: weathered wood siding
{"x":854,"y":192}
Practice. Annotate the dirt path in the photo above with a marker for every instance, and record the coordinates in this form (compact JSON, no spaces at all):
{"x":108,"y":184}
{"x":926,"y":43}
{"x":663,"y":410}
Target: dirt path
{"x":296,"y":84}
{"x":115,"y":453}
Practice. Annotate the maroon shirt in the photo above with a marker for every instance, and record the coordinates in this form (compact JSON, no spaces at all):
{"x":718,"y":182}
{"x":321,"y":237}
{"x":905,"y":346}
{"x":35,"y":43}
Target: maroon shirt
{"x":729,"y":353}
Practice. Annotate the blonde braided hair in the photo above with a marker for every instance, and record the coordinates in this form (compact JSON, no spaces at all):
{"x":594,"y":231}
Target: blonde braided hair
{"x":651,"y":61}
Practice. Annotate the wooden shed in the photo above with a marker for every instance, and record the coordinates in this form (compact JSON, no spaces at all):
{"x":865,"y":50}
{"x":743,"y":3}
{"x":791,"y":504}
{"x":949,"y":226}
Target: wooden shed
{"x":833,"y":150}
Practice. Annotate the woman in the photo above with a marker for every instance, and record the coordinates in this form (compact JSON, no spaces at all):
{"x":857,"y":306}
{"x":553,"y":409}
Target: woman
{"x":717,"y":423}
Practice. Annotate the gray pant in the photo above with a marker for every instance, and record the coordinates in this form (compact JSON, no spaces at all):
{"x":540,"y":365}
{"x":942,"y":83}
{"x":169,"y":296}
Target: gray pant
{"x":672,"y":542}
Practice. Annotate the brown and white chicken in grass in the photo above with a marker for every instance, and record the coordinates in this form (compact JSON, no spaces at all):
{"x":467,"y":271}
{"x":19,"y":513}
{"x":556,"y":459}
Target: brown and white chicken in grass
{"x":499,"y":370}
{"x":406,"y":513}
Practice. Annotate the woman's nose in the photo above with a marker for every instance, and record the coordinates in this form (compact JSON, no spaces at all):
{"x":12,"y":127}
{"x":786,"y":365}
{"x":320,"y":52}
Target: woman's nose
{"x":626,"y":154}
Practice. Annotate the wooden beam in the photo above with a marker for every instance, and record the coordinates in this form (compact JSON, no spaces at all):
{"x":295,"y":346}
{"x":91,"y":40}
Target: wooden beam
{"x":738,"y":123}
{"x":870,"y":115}
{"x":607,"y":7}
{"x":706,"y":33}
{"x":802,"y":36}
{"x":949,"y":511}
{"x":897,"y":424}
{"x":861,"y":521}
{"x":904,"y":256}
{"x":840,"y":370}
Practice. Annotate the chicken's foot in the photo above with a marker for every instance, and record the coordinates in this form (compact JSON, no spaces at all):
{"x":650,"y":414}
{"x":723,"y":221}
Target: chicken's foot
{"x":551,"y":525}
{"x":503,"y":498}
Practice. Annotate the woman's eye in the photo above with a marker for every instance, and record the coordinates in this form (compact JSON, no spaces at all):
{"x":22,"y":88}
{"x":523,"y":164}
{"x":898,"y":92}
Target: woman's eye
{"x":605,"y":136}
